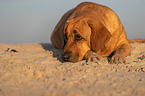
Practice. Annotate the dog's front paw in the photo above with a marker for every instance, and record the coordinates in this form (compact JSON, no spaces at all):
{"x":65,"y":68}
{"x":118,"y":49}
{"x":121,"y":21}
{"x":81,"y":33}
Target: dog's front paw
{"x":117,"y":58}
{"x":91,"y":56}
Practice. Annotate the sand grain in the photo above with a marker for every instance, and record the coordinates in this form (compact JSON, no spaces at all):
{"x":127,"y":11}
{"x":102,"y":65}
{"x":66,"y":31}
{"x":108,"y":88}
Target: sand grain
{"x":34,"y":70}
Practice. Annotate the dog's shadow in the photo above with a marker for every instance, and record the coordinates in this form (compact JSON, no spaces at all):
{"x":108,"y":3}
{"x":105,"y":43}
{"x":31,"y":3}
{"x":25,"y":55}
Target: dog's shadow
{"x":56,"y":52}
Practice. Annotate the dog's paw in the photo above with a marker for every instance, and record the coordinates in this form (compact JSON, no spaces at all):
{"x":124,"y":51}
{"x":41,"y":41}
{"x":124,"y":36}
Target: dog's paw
{"x":93,"y":57}
{"x":117,"y":58}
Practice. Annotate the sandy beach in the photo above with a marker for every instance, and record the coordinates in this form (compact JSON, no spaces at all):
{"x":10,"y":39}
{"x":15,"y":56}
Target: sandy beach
{"x":36,"y":70}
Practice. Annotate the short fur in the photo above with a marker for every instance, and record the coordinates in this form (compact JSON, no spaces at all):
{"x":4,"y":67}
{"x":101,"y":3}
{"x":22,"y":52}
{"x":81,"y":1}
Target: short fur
{"x":91,"y":31}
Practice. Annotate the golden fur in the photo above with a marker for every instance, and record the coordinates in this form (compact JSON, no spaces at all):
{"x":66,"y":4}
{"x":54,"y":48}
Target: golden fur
{"x":91,"y":31}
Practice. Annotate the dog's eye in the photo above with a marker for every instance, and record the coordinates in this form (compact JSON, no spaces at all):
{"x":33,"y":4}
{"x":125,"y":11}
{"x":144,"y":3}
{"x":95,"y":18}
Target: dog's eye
{"x":78,"y":37}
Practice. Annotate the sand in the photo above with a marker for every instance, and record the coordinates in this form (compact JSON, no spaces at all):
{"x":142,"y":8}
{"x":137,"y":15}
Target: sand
{"x":36,"y":70}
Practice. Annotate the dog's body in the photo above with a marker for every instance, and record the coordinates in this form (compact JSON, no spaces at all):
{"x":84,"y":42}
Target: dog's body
{"x":91,"y":31}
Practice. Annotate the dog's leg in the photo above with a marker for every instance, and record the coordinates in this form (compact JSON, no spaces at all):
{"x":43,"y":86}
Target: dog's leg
{"x":91,"y":56}
{"x":119,"y":55}
{"x":136,"y":40}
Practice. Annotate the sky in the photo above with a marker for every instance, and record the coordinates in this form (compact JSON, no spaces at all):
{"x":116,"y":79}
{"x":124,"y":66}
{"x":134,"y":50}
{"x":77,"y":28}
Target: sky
{"x":32,"y":21}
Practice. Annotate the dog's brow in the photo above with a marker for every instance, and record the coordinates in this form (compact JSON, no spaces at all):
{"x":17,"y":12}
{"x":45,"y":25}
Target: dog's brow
{"x":74,"y":31}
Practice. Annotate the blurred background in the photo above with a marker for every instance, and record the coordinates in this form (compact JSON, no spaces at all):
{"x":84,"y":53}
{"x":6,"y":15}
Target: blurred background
{"x":31,"y":21}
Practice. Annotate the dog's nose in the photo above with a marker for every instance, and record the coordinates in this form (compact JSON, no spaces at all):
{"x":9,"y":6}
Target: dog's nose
{"x":65,"y":57}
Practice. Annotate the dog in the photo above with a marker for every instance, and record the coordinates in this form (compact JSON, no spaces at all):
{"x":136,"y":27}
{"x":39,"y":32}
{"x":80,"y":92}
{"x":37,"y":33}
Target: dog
{"x":91,"y":31}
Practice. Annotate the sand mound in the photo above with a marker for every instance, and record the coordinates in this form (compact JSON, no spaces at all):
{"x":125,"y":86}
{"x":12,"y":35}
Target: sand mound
{"x":34,"y":70}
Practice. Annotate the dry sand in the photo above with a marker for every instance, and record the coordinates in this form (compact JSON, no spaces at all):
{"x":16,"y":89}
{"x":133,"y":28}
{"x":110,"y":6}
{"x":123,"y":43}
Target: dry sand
{"x":34,"y":70}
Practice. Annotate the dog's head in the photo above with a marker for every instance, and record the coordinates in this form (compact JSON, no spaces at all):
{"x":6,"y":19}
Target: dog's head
{"x":81,"y":35}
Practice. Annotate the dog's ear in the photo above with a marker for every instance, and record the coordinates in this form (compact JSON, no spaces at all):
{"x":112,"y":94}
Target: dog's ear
{"x":57,"y":36}
{"x":99,"y":35}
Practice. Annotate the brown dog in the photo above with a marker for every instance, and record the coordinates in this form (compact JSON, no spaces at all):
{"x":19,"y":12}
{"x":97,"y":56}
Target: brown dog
{"x":91,"y":31}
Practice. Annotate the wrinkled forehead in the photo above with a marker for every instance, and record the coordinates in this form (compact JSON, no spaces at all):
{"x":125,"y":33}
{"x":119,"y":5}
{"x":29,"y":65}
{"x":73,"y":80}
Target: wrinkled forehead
{"x":80,"y":26}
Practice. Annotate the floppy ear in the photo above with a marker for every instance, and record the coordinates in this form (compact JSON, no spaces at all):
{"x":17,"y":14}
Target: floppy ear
{"x":57,"y":36}
{"x":99,"y":35}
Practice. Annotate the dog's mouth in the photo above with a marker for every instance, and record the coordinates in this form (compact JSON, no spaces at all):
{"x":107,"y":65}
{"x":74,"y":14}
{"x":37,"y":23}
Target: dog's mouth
{"x":68,"y":57}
